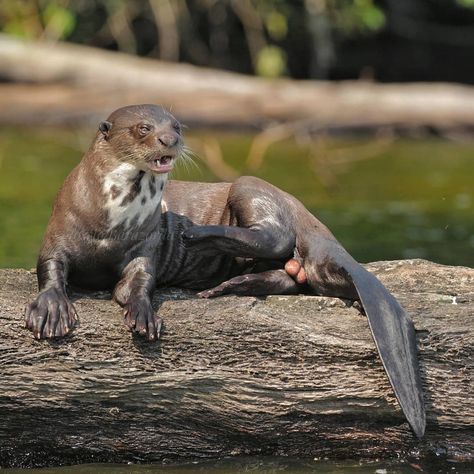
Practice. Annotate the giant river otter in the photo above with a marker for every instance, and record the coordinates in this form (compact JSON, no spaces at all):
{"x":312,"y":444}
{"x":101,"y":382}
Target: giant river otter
{"x":115,"y":225}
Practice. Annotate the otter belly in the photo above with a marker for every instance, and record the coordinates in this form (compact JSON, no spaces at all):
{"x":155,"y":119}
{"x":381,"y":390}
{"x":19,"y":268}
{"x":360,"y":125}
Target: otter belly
{"x":99,"y":264}
{"x":102,"y":278}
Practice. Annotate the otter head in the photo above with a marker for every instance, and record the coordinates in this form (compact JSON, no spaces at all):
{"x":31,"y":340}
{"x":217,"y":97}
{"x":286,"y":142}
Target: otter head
{"x":146,"y":136}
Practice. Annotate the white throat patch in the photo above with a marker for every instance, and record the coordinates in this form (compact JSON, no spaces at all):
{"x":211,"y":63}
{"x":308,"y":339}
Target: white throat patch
{"x":132,"y":196}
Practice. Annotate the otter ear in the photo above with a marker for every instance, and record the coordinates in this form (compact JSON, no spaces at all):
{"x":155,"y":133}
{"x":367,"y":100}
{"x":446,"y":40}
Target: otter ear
{"x":105,"y":127}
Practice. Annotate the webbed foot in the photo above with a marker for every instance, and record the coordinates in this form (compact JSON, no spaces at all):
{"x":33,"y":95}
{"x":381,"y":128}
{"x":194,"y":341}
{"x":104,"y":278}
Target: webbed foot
{"x":51,"y":315}
{"x":294,"y":268}
{"x":141,"y":319}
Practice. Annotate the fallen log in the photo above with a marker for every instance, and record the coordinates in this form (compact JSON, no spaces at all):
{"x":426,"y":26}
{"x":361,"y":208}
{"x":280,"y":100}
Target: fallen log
{"x":287,"y":375}
{"x":59,"y":83}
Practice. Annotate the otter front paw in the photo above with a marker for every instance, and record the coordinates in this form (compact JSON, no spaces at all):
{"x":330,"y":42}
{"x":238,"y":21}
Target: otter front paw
{"x":140,"y":318}
{"x":50,"y":315}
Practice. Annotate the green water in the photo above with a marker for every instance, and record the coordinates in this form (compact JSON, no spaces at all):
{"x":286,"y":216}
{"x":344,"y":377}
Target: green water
{"x":383,"y":200}
{"x":260,"y":465}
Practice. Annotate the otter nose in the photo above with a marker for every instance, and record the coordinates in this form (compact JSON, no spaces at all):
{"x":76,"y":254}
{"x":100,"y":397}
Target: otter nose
{"x":168,"y":140}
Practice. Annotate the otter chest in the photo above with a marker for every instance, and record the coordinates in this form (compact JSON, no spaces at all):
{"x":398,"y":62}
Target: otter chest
{"x":132,"y":196}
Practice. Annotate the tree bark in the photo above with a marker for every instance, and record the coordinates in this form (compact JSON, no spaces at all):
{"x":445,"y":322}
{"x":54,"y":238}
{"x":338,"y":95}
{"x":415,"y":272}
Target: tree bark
{"x":70,"y":84}
{"x":289,"y":375}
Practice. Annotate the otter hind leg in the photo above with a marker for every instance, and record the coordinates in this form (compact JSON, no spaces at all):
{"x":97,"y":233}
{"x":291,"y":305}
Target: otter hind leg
{"x":272,"y":282}
{"x":264,"y":230}
{"x":252,"y":242}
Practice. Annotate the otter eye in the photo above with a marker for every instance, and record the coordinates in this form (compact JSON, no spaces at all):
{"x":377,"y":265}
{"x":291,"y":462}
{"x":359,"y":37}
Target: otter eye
{"x":144,"y":128}
{"x":177,"y":127}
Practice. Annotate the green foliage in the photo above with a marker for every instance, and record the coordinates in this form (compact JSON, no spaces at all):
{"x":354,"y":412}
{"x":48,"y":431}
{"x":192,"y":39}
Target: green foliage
{"x":277,"y":25}
{"x":357,"y":16}
{"x":271,"y":62}
{"x":59,"y":21}
{"x":42,"y":19}
{"x":258,"y":30}
{"x":466,"y":3}
{"x":20,"y":19}
{"x":56,"y":19}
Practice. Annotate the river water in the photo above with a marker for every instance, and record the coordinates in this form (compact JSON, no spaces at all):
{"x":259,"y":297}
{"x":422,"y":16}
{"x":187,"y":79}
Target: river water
{"x":261,"y":465}
{"x":382,"y":199}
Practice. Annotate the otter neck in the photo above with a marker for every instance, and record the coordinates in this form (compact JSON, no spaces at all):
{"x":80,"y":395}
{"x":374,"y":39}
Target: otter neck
{"x":132,"y":196}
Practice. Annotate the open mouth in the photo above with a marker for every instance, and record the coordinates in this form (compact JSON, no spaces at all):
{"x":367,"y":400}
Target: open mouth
{"x":161,"y":164}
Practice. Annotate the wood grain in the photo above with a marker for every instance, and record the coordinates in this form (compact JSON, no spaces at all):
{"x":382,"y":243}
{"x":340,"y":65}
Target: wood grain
{"x":289,"y":375}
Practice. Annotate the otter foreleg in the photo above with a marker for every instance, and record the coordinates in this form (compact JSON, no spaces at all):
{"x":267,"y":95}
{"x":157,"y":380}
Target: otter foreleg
{"x":51,"y":314}
{"x":134,"y":292}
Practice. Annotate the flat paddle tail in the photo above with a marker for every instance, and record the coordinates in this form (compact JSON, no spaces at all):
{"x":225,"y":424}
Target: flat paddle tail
{"x":395,"y":338}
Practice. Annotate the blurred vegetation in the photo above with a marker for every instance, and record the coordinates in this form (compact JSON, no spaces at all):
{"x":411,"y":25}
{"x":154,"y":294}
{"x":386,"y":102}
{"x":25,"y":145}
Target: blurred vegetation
{"x":299,"y":38}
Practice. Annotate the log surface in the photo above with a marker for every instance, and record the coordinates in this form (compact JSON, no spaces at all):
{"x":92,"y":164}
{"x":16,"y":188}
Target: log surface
{"x":61,"y":84}
{"x":287,"y":375}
